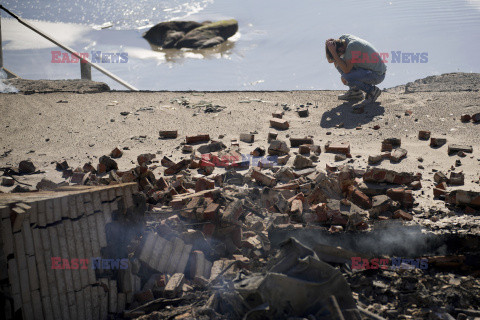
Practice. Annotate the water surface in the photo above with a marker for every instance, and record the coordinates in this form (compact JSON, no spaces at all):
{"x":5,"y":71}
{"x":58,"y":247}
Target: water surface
{"x":280,"y":44}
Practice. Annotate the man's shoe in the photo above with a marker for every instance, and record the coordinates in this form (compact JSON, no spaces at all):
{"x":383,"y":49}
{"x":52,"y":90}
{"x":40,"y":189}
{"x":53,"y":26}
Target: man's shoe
{"x":373,"y":96}
{"x":351,"y":95}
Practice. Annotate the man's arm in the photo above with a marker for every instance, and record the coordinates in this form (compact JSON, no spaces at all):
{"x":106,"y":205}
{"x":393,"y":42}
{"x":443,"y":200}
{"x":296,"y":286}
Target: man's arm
{"x":346,"y":66}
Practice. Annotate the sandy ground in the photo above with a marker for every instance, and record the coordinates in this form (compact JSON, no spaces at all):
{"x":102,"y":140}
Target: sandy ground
{"x":41,"y":128}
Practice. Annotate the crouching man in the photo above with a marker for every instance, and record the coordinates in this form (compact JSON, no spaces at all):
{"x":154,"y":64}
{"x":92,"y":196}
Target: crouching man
{"x":360,"y":65}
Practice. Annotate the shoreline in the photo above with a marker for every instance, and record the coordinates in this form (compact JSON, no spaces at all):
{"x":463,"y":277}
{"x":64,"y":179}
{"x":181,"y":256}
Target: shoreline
{"x":82,"y":128}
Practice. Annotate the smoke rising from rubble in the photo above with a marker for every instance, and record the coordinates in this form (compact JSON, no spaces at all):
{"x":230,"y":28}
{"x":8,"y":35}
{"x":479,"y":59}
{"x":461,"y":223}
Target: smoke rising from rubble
{"x":393,"y":240}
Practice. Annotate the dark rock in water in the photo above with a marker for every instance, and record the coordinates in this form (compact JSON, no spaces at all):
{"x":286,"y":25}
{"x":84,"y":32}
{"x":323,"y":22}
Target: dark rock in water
{"x":191,"y":34}
{"x":164,"y":34}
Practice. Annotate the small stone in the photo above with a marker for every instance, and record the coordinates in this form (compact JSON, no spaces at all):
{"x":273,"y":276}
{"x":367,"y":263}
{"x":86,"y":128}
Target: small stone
{"x":340,"y":157}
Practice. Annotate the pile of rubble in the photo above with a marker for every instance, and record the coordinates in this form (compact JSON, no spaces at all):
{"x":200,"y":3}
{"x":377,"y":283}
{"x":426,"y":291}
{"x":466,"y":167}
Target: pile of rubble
{"x":204,"y":249}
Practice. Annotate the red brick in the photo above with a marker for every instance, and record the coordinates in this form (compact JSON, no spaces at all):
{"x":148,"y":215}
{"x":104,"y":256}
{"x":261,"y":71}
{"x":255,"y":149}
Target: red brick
{"x":145,"y":159}
{"x":263,"y":178}
{"x":339,"y":147}
{"x":278,"y":114}
{"x":395,"y":142}
{"x":304,"y":149}
{"x":437,"y":192}
{"x":204,"y":184}
{"x":296,"y":142}
{"x":386,"y":146}
{"x":279,"y":124}
{"x":456,"y":178}
{"x":424,"y":135}
{"x":437,"y":142}
{"x":161,"y":184}
{"x":210,"y":213}
{"x":183,"y":164}
{"x":400,"y":214}
{"x":197,"y":138}
{"x":101,"y":168}
{"x":166,"y":162}
{"x":168,"y":134}
{"x":272,"y":136}
{"x":116,"y":153}
{"x":398,"y":154}
{"x":359,"y":198}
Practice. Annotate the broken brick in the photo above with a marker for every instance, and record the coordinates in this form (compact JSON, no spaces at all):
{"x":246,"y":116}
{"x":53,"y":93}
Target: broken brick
{"x":116,"y":153}
{"x":278,"y":148}
{"x":278,"y":114}
{"x":424,"y":135}
{"x":439,"y":177}
{"x":375,"y":159}
{"x":398,"y":154}
{"x":247,"y":137}
{"x":400,"y":214}
{"x":296,"y":142}
{"x":359,"y":198}
{"x":386,"y":146}
{"x":456,"y":178}
{"x":279,"y":124}
{"x":437,"y":142}
{"x":272,"y":136}
{"x":465,"y":117}
{"x":302,"y":112}
{"x":282,"y":160}
{"x":452,"y":148}
{"x":204,"y":184}
{"x":145,"y":158}
{"x":62,"y":166}
{"x":379,"y":175}
{"x":395,"y":142}
{"x":176,"y":168}
{"x":168,"y":134}
{"x":263,"y":178}
{"x":197,"y":139}
{"x":342,"y":147}
{"x":304,"y":149}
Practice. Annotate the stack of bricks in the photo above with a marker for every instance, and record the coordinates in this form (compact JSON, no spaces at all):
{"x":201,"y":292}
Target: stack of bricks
{"x":163,"y":255}
{"x":70,"y":224}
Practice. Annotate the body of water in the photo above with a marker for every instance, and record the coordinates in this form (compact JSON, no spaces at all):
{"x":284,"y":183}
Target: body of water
{"x":279,"y":46}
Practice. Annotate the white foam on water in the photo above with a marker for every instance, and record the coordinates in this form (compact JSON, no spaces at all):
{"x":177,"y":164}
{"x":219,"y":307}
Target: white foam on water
{"x":6,"y":88}
{"x":140,"y":53}
{"x":19,"y":37}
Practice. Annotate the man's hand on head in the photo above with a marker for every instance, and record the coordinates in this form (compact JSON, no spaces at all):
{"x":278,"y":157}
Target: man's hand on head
{"x":332,"y":48}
